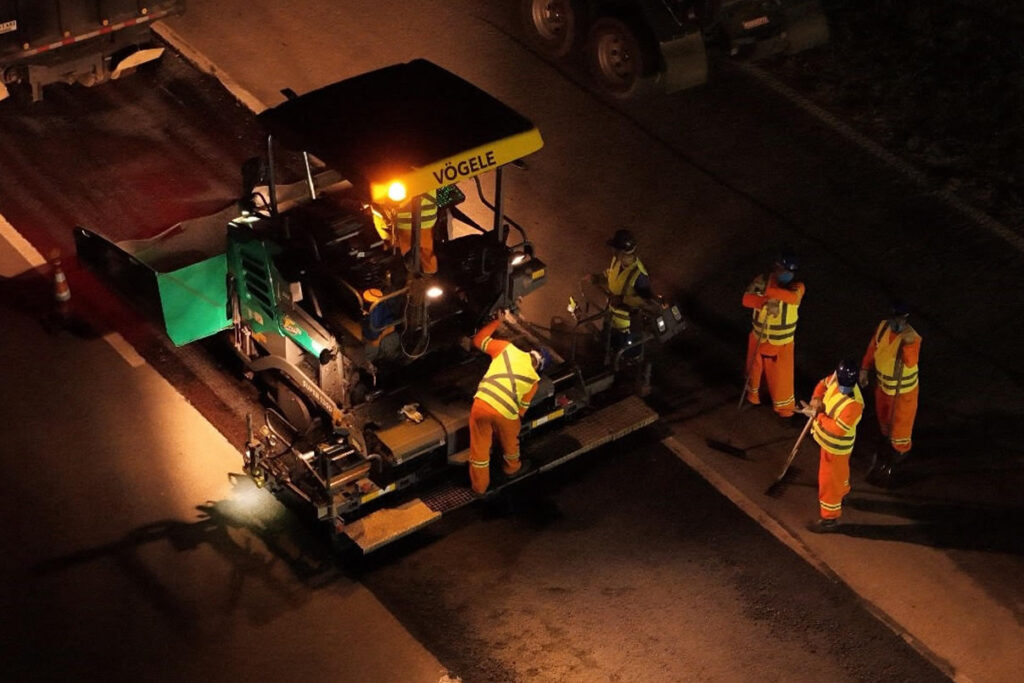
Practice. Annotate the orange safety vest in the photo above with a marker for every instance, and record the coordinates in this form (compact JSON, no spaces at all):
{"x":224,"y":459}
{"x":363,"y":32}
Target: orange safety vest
{"x":834,"y":403}
{"x":885,"y":362}
{"x":621,"y":282}
{"x":507,"y":380}
{"x":781,"y":326}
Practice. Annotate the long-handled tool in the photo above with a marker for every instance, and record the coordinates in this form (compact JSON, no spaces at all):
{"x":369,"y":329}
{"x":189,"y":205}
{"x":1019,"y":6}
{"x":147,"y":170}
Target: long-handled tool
{"x":775,"y":488}
{"x":750,"y":364}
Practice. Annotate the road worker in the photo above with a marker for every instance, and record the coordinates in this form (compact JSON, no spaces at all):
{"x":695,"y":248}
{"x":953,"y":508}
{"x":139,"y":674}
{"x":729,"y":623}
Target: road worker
{"x":775,"y":299}
{"x":627,"y":284}
{"x":836,"y":407}
{"x":893,"y":352}
{"x":501,"y":399}
{"x":403,"y":229}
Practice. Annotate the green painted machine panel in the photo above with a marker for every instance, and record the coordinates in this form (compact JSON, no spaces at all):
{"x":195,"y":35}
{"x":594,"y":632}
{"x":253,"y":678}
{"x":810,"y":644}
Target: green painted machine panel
{"x":194,"y":300}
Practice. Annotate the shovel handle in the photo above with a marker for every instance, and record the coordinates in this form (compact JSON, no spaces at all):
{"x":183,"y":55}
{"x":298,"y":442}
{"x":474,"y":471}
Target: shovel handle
{"x":796,"y":447}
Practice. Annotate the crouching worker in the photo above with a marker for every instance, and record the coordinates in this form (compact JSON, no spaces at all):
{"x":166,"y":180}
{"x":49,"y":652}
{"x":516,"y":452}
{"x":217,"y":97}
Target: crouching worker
{"x":502,"y":397}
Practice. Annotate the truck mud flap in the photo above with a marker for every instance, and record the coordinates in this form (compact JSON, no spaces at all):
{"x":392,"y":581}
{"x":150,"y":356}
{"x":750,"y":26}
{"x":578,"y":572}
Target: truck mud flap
{"x":806,"y":26}
{"x":686,"y":62}
{"x":556,"y":448}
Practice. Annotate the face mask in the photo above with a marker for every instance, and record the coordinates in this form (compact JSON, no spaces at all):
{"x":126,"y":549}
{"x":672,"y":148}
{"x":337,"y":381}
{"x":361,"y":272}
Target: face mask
{"x":785,"y":277}
{"x":896,"y":325}
{"x":845,"y":391}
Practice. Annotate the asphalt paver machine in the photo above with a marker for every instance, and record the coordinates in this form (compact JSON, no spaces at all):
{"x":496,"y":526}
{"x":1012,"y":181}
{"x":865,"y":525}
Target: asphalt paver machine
{"x":364,"y":357}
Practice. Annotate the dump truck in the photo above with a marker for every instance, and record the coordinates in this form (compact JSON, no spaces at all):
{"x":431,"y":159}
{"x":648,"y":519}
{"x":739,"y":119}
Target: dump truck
{"x":363,"y":357}
{"x":636,"y":47}
{"x":76,"y":41}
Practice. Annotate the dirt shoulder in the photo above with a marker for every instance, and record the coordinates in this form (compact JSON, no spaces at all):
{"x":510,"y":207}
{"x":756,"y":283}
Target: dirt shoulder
{"x":939,"y":83}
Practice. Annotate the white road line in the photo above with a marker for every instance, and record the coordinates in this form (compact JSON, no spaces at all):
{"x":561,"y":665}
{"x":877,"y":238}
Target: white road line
{"x":21,"y":245}
{"x":787,"y":537}
{"x":34,"y":259}
{"x":979,"y":217}
{"x":124,"y":349}
{"x":204,"y":64}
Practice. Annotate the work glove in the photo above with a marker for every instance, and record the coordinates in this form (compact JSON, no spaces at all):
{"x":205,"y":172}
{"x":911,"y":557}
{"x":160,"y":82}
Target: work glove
{"x":864,"y":379}
{"x":811,"y":409}
{"x":773,"y":306}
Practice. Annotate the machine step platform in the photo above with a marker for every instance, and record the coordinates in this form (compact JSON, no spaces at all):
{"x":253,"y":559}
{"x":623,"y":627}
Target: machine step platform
{"x":553,"y":449}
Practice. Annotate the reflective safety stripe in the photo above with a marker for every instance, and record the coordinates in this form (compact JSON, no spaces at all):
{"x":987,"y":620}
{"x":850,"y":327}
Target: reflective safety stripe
{"x":785,"y":402}
{"x":886,"y":360}
{"x":511,"y":457}
{"x":834,"y":402}
{"x":480,"y":463}
{"x":484,"y":343}
{"x":509,"y":378}
{"x":620,"y":318}
{"x":781,"y":327}
{"x":831,"y":507}
{"x":428,"y":214}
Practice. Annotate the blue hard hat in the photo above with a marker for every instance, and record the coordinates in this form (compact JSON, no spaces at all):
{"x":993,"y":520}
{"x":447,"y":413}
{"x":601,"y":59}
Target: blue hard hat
{"x":847,"y":372}
{"x":788,"y":260}
{"x":899,"y":308}
{"x":541,"y":358}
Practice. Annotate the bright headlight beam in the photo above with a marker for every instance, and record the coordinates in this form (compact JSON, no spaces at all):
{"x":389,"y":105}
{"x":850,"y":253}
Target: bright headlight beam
{"x":396,"y":191}
{"x":434,"y":292}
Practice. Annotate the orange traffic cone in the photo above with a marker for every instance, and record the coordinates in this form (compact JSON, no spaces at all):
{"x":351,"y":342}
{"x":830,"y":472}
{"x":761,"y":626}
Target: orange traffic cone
{"x":61,"y":290}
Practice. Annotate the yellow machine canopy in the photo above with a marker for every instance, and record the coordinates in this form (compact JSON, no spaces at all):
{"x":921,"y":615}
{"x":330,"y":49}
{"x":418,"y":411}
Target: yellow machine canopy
{"x":415,"y":124}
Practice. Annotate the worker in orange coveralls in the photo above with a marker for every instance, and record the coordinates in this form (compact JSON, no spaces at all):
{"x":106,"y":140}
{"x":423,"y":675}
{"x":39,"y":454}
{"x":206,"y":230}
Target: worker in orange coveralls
{"x":775,"y":300}
{"x":893,"y":351}
{"x":502,"y":397}
{"x":836,"y":407}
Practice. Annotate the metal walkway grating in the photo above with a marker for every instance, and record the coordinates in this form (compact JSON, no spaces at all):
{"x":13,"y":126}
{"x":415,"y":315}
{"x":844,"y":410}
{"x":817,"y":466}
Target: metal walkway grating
{"x":448,"y":497}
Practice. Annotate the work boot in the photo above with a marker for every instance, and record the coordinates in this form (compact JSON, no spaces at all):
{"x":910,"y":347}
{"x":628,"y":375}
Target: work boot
{"x":790,"y":421}
{"x":524,"y":467}
{"x":824,"y":526}
{"x":880,"y":460}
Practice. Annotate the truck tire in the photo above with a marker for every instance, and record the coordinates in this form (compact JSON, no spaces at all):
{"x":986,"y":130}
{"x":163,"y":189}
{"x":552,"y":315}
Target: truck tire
{"x":617,"y":59}
{"x":553,"y":27}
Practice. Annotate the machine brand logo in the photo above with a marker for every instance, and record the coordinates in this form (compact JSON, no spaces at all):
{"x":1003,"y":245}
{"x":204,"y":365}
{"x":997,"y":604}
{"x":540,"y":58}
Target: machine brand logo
{"x":464,"y":168}
{"x":290,"y":327}
{"x":754,"y":23}
{"x":8,"y":26}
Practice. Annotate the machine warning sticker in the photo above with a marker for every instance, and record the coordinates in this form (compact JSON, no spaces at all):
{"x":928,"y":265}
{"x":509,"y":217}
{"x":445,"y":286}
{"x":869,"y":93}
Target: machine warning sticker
{"x":8,"y":26}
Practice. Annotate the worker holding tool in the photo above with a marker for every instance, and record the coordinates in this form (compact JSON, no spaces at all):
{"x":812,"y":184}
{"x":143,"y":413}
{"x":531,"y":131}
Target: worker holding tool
{"x":836,"y":407}
{"x":627,"y":284}
{"x":893,"y":351}
{"x":502,"y":397}
{"x":775,"y":299}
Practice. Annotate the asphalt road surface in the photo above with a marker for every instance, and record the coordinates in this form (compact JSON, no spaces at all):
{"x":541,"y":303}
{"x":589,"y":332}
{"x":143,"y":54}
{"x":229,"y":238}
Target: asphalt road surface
{"x":626,"y":566}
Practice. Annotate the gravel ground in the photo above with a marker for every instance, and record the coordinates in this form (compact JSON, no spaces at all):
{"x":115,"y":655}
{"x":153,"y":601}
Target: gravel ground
{"x":939,"y":83}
